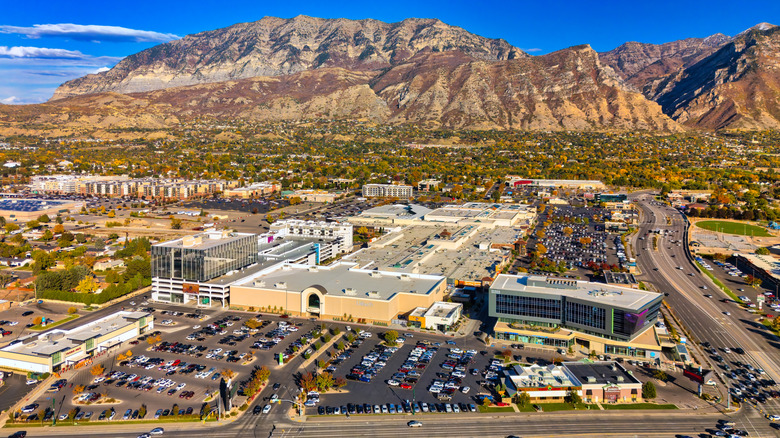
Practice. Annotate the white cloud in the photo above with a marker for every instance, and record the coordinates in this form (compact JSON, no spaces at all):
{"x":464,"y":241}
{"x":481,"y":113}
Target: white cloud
{"x":9,"y":100}
{"x":90,"y":32}
{"x":39,"y":52}
{"x":531,"y":50}
{"x":101,"y":70}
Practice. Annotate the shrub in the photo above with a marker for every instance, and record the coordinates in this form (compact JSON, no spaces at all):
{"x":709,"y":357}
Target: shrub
{"x":72,"y":310}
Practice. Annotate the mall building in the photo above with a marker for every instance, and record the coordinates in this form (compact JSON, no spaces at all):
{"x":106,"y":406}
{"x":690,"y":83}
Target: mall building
{"x":339,"y":291}
{"x":56,"y":349}
{"x":586,"y":316}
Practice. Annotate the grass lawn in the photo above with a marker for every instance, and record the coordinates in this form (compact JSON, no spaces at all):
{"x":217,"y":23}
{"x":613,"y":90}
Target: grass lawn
{"x":552,"y":407}
{"x":162,"y":420}
{"x":55,"y":324}
{"x":495,"y":408}
{"x":738,"y":228}
{"x":638,"y":406}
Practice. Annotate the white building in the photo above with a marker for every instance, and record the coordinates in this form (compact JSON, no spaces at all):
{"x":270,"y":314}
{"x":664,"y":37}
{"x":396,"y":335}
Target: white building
{"x":387,"y":191}
{"x":316,"y":229}
{"x":440,"y":316}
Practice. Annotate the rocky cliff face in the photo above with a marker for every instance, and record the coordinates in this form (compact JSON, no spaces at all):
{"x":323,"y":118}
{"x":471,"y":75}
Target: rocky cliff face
{"x":276,"y":46}
{"x":641,"y":65}
{"x":565,"y":90}
{"x":737,"y":87}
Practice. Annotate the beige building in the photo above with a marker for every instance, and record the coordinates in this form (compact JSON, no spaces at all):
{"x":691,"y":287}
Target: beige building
{"x":338,"y":291}
{"x":314,"y":195}
{"x":253,"y":190}
{"x":55,"y":349}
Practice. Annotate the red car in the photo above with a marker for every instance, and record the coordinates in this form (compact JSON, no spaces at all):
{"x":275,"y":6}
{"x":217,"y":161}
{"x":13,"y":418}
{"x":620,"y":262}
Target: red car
{"x":405,"y":386}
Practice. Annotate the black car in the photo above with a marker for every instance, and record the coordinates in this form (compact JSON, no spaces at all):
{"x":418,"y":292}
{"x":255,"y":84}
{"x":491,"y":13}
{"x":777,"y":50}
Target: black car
{"x":28,"y":313}
{"x":277,"y":386}
{"x":320,"y":410}
{"x":257,"y":410}
{"x":18,"y":434}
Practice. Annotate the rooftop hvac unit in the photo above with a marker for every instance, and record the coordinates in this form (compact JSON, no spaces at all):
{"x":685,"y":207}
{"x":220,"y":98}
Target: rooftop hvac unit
{"x":281,"y":285}
{"x":620,"y":378}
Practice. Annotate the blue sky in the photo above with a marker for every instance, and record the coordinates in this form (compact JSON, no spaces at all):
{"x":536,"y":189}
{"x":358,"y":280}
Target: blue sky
{"x":46,"y":42}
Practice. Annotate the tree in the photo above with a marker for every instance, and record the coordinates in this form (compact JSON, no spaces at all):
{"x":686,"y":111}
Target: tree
{"x":648,"y":390}
{"x":340,"y":382}
{"x":752,"y":281}
{"x":269,"y":218}
{"x":541,"y":249}
{"x":228,"y":373}
{"x":324,"y":381}
{"x":5,"y":278}
{"x":776,"y":323}
{"x":112,"y":214}
{"x":47,"y":236}
{"x":78,"y":389}
{"x":573,"y":397}
{"x":391,"y":336}
{"x":522,"y":399}
{"x":38,"y":320}
{"x":44,"y":218}
{"x":485,"y":402}
{"x":175,"y":223}
{"x":97,"y":370}
{"x":568,"y":231}
{"x":585,"y":241}
{"x":72,"y":310}
{"x":762,"y":251}
{"x":87,"y":285}
{"x":660,"y":375}
{"x":33,"y":224}
{"x":308,"y":382}
{"x":11,"y":227}
{"x":142,"y":411}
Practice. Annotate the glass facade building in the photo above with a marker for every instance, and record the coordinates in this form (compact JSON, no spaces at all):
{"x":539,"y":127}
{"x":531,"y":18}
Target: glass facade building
{"x":541,"y":304}
{"x":204,"y":257}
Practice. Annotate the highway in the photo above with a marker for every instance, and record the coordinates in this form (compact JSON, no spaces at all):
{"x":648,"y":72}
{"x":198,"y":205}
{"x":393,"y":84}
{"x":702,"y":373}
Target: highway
{"x":647,"y":424}
{"x":705,"y":318}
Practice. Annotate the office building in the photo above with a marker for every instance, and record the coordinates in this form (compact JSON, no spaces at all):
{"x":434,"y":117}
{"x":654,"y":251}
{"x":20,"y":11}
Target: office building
{"x":255,"y":190}
{"x":387,"y":191}
{"x":582,"y":315}
{"x":180,"y":267}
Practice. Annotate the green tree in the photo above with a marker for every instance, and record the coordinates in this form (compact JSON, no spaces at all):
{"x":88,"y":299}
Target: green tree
{"x":33,"y":224}
{"x":522,"y":399}
{"x":660,"y":375}
{"x":11,"y":227}
{"x":175,"y":224}
{"x":648,"y":390}
{"x":47,"y":236}
{"x":573,"y":397}
{"x":762,"y":251}
{"x":391,"y":336}
{"x":44,"y":218}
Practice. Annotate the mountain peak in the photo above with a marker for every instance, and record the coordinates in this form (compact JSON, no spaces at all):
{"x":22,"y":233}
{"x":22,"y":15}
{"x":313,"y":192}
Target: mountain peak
{"x":275,"y":46}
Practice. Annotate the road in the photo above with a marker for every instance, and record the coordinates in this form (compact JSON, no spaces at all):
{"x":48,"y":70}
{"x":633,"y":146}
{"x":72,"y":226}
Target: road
{"x":706,"y":318}
{"x":581,"y":424}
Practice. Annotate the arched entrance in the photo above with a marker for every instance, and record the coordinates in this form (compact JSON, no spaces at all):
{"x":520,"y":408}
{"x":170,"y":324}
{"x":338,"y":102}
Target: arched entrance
{"x":312,"y":301}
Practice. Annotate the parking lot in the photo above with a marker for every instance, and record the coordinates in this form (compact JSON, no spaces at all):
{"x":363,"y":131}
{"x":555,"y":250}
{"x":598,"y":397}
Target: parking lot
{"x":16,"y":321}
{"x":179,"y":372}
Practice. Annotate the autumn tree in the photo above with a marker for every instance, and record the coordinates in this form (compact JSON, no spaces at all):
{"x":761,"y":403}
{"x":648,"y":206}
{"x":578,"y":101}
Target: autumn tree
{"x":87,"y":285}
{"x":308,"y":382}
{"x":97,"y":370}
{"x":228,"y":373}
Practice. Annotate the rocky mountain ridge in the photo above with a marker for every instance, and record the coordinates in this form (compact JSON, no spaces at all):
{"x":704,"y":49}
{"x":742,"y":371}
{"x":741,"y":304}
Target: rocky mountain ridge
{"x":276,"y":46}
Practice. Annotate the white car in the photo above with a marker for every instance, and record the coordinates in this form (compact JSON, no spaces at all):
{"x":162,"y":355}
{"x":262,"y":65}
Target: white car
{"x":195,"y":327}
{"x":465,"y":390}
{"x":31,"y":381}
{"x":157,"y":431}
{"x":393,"y":382}
{"x":773,"y":417}
{"x":13,"y":323}
{"x":132,"y":303}
{"x":267,"y":409}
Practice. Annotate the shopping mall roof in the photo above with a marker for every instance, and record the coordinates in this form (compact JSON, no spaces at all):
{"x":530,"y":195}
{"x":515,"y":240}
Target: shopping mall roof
{"x":344,"y":279}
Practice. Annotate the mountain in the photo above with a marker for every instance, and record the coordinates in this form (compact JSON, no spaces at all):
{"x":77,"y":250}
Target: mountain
{"x":641,"y":64}
{"x":566,"y":90}
{"x":736,"y":87}
{"x":277,"y":46}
